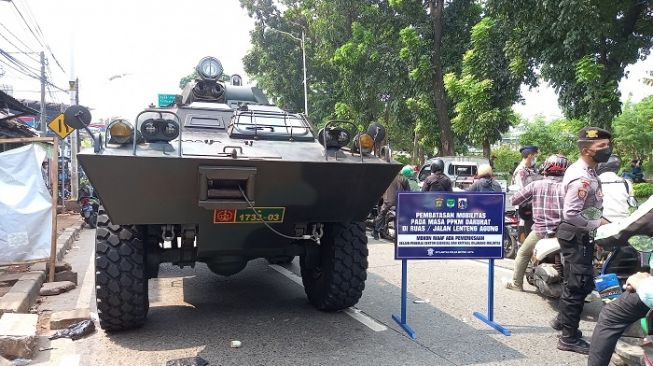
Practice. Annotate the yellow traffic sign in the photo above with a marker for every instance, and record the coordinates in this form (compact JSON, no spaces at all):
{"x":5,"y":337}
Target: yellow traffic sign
{"x":58,"y":126}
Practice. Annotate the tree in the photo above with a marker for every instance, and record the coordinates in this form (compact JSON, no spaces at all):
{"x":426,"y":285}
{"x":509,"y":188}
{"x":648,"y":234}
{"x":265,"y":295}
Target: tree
{"x":556,"y":137}
{"x":487,"y":87}
{"x":580,"y":47}
{"x":633,"y":130}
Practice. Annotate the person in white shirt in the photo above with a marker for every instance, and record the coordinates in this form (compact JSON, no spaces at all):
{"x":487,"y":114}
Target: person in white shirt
{"x":616,"y":190}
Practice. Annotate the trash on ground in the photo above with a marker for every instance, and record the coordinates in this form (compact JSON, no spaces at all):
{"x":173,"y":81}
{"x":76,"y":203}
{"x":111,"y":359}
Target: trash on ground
{"x":190,"y":361}
{"x":76,"y":331}
{"x":236,"y":344}
{"x":425,"y":301}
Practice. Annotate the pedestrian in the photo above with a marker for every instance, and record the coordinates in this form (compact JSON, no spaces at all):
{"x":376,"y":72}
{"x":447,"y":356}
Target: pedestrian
{"x":485,"y":183}
{"x":581,"y":214}
{"x":399,"y":184}
{"x":616,"y":316}
{"x":617,"y":191}
{"x":524,"y":174}
{"x":437,"y":180}
{"x":547,"y":197}
{"x":408,"y":172}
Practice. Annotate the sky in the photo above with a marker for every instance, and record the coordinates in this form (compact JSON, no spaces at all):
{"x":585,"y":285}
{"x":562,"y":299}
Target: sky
{"x":150,"y":45}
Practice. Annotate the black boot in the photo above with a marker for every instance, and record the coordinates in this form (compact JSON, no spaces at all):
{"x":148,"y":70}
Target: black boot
{"x":555,"y":324}
{"x":375,"y":235}
{"x":578,"y":345}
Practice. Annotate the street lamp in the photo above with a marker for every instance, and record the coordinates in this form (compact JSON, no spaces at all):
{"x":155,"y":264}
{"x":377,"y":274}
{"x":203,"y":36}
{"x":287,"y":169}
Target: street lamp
{"x":301,"y":41}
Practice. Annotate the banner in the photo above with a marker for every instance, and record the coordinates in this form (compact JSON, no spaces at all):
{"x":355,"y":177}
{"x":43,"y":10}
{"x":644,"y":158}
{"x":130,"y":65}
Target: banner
{"x":449,"y":225}
{"x":25,"y":206}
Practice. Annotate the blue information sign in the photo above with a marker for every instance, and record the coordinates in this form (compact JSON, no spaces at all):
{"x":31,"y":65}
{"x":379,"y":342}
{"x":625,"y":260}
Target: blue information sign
{"x":166,"y":99}
{"x":449,"y":225}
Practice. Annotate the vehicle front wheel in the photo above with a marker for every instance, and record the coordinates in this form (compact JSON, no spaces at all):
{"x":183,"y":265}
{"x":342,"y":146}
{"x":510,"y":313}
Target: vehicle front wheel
{"x":338,"y":279}
{"x":120,"y":278}
{"x":509,"y":247}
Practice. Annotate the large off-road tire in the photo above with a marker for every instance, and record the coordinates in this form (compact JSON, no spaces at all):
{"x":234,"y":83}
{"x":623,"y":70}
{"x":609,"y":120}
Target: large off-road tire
{"x":120,"y":278}
{"x":338,"y":279}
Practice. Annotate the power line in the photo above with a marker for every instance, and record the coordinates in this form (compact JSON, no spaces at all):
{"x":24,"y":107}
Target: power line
{"x":39,"y":31}
{"x":27,"y":24}
{"x":29,"y":50}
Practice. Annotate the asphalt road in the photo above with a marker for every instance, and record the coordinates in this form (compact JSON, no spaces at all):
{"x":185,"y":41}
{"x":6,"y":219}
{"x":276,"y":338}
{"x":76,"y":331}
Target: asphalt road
{"x":194,"y":312}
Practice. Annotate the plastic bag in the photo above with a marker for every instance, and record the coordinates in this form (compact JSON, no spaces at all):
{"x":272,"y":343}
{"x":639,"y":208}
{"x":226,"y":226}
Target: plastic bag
{"x":75,"y":331}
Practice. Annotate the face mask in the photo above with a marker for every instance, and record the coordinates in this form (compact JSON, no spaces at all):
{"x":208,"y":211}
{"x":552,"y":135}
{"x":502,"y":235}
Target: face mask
{"x":602,"y":155}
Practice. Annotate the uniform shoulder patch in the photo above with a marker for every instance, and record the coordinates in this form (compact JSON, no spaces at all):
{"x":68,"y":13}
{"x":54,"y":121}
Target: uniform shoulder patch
{"x":582,"y":193}
{"x":585,"y":182}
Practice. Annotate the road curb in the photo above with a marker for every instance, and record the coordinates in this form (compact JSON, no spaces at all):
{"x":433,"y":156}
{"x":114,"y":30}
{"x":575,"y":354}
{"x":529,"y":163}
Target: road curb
{"x":24,"y":293}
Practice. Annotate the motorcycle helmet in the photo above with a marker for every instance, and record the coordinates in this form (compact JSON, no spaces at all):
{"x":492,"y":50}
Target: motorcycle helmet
{"x":407,"y":171}
{"x":555,"y":164}
{"x":612,"y":165}
{"x":437,"y":166}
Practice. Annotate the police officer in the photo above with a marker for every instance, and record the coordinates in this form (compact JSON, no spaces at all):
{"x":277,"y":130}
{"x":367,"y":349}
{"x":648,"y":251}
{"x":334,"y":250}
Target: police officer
{"x":581,"y":214}
{"x":525,"y":173}
{"x":437,"y":180}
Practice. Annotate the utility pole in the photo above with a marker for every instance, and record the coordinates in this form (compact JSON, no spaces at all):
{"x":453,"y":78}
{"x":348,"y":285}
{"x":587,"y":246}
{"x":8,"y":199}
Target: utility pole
{"x":42,"y":119}
{"x":74,"y":144}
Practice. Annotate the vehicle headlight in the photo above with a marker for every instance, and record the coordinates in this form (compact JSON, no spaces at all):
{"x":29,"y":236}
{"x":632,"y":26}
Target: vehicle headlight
{"x":159,"y":130}
{"x":364,"y":143}
{"x":121,"y":131}
{"x":335,"y":137}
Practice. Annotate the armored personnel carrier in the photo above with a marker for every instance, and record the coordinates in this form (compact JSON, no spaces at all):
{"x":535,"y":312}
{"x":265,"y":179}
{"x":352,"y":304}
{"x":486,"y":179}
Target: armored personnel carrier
{"x":223,"y":177}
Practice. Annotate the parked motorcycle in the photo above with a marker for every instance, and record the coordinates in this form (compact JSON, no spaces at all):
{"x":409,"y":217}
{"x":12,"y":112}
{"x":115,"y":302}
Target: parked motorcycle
{"x":89,"y":205}
{"x":622,"y":255}
{"x":510,"y":234}
{"x":388,"y":229}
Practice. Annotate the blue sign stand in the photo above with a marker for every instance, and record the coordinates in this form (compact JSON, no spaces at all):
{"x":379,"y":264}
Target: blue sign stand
{"x":489,"y":319}
{"x":401,"y":320}
{"x":437,"y":225}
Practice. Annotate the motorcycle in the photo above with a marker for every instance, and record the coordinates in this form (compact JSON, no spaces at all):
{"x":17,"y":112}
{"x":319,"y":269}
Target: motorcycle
{"x":89,"y":205}
{"x":388,"y":229}
{"x":619,"y":251}
{"x":510,"y":234}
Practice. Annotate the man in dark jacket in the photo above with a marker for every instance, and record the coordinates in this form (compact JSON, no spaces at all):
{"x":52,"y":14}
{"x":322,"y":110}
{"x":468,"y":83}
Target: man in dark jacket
{"x":437,"y":180}
{"x":485,"y":183}
{"x":399,"y":184}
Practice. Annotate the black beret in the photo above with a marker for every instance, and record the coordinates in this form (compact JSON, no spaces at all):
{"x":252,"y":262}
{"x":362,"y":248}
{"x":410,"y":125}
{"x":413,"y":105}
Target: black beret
{"x":529,"y":148}
{"x":593,"y":134}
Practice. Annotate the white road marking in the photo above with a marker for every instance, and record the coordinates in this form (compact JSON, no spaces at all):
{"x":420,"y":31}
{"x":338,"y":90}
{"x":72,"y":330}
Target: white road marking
{"x":86,"y":292}
{"x":69,"y":360}
{"x":356,"y":314}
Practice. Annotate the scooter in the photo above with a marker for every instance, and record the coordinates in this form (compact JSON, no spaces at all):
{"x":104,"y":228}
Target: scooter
{"x":89,"y":205}
{"x":545,"y":271}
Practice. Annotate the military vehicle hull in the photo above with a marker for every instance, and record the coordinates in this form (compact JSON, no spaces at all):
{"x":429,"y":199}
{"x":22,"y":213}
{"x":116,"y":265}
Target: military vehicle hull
{"x":222,"y":177}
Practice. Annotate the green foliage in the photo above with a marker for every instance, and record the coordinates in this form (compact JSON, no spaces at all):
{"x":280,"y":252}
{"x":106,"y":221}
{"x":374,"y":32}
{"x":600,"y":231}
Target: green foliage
{"x":487,"y":88}
{"x":366,"y":60}
{"x":505,"y":159}
{"x":633,"y":130}
{"x":402,"y":159}
{"x":643,"y":189}
{"x":580,"y":47}
{"x":556,"y":137}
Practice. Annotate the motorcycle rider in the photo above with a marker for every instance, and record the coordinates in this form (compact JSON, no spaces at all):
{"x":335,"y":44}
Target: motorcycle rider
{"x":616,"y":190}
{"x":399,"y":184}
{"x":437,"y":180}
{"x":547,"y":200}
{"x":485,"y":183}
{"x":581,"y":214}
{"x":408,"y":172}
{"x":524,"y":174}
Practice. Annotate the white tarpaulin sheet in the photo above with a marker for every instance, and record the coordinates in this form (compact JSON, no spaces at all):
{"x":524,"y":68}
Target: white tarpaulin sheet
{"x":25,"y":206}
